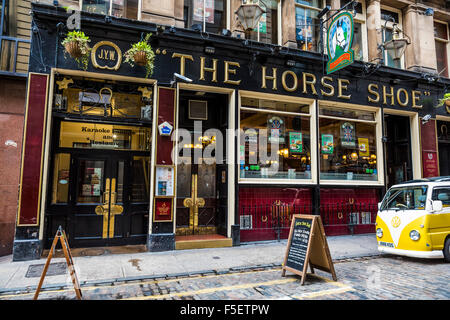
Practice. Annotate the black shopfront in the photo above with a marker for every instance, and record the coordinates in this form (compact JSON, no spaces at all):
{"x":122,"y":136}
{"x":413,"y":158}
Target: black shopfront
{"x":107,"y":173}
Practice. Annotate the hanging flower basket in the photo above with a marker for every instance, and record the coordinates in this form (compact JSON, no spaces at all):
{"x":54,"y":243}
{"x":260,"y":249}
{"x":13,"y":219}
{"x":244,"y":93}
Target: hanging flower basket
{"x":140,"y":58}
{"x":76,"y":44}
{"x":141,"y":53}
{"x":73,"y":48}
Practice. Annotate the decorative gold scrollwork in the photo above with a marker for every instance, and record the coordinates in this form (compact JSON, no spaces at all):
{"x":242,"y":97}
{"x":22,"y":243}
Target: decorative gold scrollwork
{"x":264,"y":218}
{"x":340,"y":215}
{"x":109,"y":209}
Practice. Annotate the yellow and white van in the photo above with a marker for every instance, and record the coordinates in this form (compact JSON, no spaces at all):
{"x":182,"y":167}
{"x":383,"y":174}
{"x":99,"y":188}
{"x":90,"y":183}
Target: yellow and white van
{"x":414,"y":219}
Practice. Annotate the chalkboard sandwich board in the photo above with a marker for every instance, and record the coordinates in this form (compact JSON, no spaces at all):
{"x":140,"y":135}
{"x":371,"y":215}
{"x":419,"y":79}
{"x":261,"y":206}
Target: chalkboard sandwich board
{"x":307,"y":245}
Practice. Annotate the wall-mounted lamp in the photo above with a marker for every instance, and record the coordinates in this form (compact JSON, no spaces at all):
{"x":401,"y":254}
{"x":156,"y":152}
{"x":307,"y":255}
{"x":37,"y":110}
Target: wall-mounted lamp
{"x":397,"y":45}
{"x":429,"y":12}
{"x":248,"y":15}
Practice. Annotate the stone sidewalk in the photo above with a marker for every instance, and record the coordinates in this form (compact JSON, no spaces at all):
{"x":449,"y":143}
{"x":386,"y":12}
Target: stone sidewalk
{"x":110,"y":268}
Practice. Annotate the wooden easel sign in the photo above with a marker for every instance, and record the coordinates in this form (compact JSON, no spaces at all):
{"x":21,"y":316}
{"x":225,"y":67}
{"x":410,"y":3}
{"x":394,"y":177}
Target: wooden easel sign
{"x":61,"y":236}
{"x":307,"y":244}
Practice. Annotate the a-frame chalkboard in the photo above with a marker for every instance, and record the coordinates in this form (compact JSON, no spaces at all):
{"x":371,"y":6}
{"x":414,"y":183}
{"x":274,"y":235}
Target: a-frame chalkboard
{"x":62,"y":238}
{"x":307,"y":245}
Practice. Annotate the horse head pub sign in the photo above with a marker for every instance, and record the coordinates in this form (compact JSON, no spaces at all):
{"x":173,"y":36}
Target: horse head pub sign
{"x":339,"y":42}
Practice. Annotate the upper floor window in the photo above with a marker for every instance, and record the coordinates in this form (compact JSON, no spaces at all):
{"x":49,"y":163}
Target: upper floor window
{"x":441,"y":43}
{"x":267,"y":30}
{"x":307,"y":24}
{"x":389,"y":16}
{"x":117,"y":8}
{"x":205,"y":15}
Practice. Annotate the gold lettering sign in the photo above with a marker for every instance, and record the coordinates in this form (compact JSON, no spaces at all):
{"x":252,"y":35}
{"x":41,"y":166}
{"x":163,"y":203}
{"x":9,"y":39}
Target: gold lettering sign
{"x":300,"y":82}
{"x":103,"y":53}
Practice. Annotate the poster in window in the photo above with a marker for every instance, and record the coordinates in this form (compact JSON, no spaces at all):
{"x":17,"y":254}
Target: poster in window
{"x":327,"y":144}
{"x":348,"y":135}
{"x":304,"y":24}
{"x":363,"y":144}
{"x":276,"y":129}
{"x":295,"y":142}
{"x":198,"y":10}
{"x":209,"y":11}
{"x":251,"y":136}
{"x":164,"y":181}
{"x":263,"y":23}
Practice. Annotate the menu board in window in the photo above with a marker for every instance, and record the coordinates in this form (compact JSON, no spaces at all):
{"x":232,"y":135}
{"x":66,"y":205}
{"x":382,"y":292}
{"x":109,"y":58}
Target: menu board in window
{"x":165,"y":181}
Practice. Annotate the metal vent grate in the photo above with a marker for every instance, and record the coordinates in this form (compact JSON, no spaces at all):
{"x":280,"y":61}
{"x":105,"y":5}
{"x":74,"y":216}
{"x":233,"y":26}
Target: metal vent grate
{"x":198,"y":110}
{"x":246,"y":222}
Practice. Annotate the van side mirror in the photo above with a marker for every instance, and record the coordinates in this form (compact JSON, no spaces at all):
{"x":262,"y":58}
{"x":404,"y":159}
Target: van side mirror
{"x":437,"y":205}
{"x":379,"y":206}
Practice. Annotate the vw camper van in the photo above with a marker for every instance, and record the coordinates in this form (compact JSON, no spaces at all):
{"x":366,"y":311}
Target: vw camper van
{"x":413,"y":219}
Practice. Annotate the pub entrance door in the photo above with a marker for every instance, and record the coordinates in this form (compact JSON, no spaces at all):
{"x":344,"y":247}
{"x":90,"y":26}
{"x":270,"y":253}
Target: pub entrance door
{"x":201,"y":169}
{"x":103,"y":198}
{"x":398,"y":149}
{"x":443,"y":133}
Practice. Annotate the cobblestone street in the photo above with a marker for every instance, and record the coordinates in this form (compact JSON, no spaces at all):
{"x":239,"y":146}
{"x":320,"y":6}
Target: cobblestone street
{"x":370,"y":278}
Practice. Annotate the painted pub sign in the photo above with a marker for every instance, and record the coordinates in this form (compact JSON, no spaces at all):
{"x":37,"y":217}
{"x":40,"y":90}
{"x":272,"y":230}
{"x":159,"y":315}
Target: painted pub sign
{"x":339,"y":42}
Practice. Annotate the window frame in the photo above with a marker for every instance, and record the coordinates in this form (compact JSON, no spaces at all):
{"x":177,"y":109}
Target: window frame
{"x":139,"y":13}
{"x":279,"y":25}
{"x":389,"y":25}
{"x":447,"y":46}
{"x":361,"y":19}
{"x":378,"y":133}
{"x":227,"y":15}
{"x":313,"y":138}
{"x":306,"y":7}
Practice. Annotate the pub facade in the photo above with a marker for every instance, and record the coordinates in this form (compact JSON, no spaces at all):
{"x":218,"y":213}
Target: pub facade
{"x":184,"y":158}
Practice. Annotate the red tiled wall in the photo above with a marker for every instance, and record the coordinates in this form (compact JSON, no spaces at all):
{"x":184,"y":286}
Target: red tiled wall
{"x":336,"y":204}
{"x":258,"y":202}
{"x":329,"y":196}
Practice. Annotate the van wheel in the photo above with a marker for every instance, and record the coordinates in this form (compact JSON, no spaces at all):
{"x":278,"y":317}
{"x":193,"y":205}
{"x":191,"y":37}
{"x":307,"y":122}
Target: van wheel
{"x":447,"y":250}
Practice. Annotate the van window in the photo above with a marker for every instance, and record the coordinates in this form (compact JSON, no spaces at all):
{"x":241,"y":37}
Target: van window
{"x":405,"y":198}
{"x":442,"y":194}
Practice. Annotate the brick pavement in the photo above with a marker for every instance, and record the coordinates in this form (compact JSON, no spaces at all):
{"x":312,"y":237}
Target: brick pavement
{"x":371,"y":278}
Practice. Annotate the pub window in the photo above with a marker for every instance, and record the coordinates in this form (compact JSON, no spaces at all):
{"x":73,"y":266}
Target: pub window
{"x":97,"y":6}
{"x":267,"y":30}
{"x":359,"y":44}
{"x":117,"y":8}
{"x":87,"y":135}
{"x":205,"y":15}
{"x":275,"y":139}
{"x":387,"y":14}
{"x":307,"y":25}
{"x":441,"y":43}
{"x":348,"y":144}
{"x":91,"y":98}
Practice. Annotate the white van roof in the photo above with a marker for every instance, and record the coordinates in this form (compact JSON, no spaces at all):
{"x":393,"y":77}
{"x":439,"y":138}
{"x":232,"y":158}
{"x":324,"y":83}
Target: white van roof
{"x":434,"y":180}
